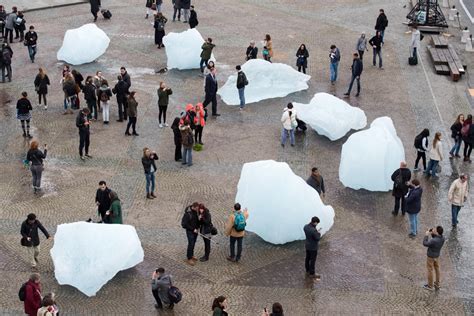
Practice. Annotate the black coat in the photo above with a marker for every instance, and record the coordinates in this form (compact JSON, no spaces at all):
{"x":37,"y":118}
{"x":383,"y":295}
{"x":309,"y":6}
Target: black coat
{"x":190,"y":220}
{"x":252,"y":52}
{"x":377,"y":42}
{"x":303,"y":53}
{"x":42,"y":84}
{"x":177,"y":134}
{"x":95,"y":6}
{"x":147,"y":162}
{"x":31,"y":38}
{"x":241,"y":80}
{"x":413,"y":200}
{"x":36,"y":156}
{"x":81,"y":120}
{"x":185,"y":4}
{"x":120,"y":89}
{"x":381,"y":23}
{"x":456,"y":130}
{"x":31,"y":231}
{"x":403,"y":189}
{"x":312,"y":237}
{"x":104,"y":200}
{"x":193,"y":19}
{"x":23,"y":106}
{"x":205,"y":223}
{"x":211,"y":85}
{"x":89,"y":91}
{"x":127,"y":79}
{"x":357,"y":67}
{"x":469,"y":138}
{"x":317,"y":185}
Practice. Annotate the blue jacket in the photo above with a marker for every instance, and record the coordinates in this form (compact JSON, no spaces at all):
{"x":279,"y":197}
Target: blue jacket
{"x":413,"y":200}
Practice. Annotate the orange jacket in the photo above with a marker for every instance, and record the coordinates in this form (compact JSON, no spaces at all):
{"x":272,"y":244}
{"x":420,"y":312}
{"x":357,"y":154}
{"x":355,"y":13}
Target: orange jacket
{"x":199,"y":112}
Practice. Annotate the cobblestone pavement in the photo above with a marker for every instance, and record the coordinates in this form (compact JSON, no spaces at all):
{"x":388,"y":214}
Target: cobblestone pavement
{"x":367,"y":262}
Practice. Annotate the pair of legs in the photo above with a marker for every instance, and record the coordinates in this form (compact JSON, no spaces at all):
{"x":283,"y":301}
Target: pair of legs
{"x":43,"y":96}
{"x":198,"y":134}
{"x":284,"y":135}
{"x":310,"y":261}
{"x":92,"y":105}
{"x":7,"y":70}
{"x":32,"y":52}
{"x":242,"y":97}
{"x":302,"y":69}
{"x":84,"y":141}
{"x":399,"y":201}
{"x":333,"y":71}
{"x":187,"y":156}
{"x":454,"y":214}
{"x":105,"y":111}
{"x":357,"y":78}
{"x":162,"y":113}
{"x":467,"y":150}
{"x":122,"y":108}
{"x":26,"y":131}
{"x":361,"y":54}
{"x":207,"y":247}
{"x":211,"y":98}
{"x":377,"y":52}
{"x":150,"y":182}
{"x":186,"y":13}
{"x":233,"y":241}
{"x":176,"y":11}
{"x":267,"y":58}
{"x":177,"y":152}
{"x":36,"y":173}
{"x":413,"y":219}
{"x":456,"y":147}
{"x":9,"y":35}
{"x":433,"y":264}
{"x":192,"y":237}
{"x":132,"y":121}
{"x":202,"y":63}
{"x":420,"y":155}
{"x":33,"y":253}
{"x":432,"y":166}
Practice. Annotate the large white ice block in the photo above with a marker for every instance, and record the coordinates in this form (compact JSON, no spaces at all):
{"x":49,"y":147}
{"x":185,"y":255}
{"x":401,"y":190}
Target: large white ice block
{"x":369,"y":157}
{"x":330,"y":116}
{"x":279,"y":202}
{"x":83,"y":45}
{"x":88,"y":255}
{"x":183,"y":50}
{"x":266,"y":80}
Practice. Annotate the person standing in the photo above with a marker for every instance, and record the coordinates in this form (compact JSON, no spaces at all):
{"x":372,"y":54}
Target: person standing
{"x":187,"y":141}
{"x":219,"y":306}
{"x":149,"y":9}
{"x":456,"y":135}
{"x":193,"y":19}
{"x":235,"y":229}
{"x":241,"y":83}
{"x":121,"y":91}
{"x":206,"y":53}
{"x":467,"y":133}
{"x":160,"y":285}
{"x":41,"y":86}
{"x":434,"y":245}
{"x":95,"y":8}
{"x":10,"y":25}
{"x":200,"y":122}
{"x":356,"y":70}
{"x":381,"y":23}
{"x":104,"y":96}
{"x":376,"y":43}
{"x":36,"y":156}
{"x":421,"y":145}
{"x":316,"y":181}
{"x":69,"y":89}
{"x":30,"y":238}
{"x":415,"y":41}
{"x":149,"y":166}
{"x":115,"y":212}
{"x":159,"y":25}
{"x":90,"y":95}
{"x":436,"y":155}
{"x":163,"y":100}
{"x":32,"y":302}
{"x":302,"y":56}
{"x":23,"y":114}
{"x":334,"y":58}
{"x":20,"y":27}
{"x":3,"y":17}
{"x":132,"y":114}
{"x":158,"y":4}
{"x":252,"y":51}
{"x":6,"y":61}
{"x":48,"y":307}
{"x":177,"y":139}
{"x":102,"y":200}
{"x":361,"y":45}
{"x":185,"y":5}
{"x":400,"y":178}
{"x":176,"y":9}
{"x":288,"y":119}
{"x":268,"y":48}
{"x":190,"y":222}
{"x":205,"y":226}
{"x":457,"y":196}
{"x":83,"y":124}
{"x":210,"y":89}
{"x":413,"y":205}
{"x":30,"y":41}
{"x":313,"y":236}
{"x":125,"y":76}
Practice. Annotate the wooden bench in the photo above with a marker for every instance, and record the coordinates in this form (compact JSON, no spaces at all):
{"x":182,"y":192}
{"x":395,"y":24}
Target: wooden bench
{"x":439,"y":41}
{"x":445,"y":59}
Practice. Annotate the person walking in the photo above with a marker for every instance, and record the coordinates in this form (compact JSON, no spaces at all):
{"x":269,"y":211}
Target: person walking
{"x":302,"y":56}
{"x":219,"y":306}
{"x":376,"y":43}
{"x":102,"y":200}
{"x":30,"y":238}
{"x":115,"y":212}
{"x":288,"y":119}
{"x":205,"y":227}
{"x":90,"y":95}
{"x":421,"y":146}
{"x":200,"y":122}
{"x":356,"y":70}
{"x":83,"y":124}
{"x":95,"y":8}
{"x":187,"y":141}
{"x":186,"y":5}
{"x":30,"y":41}
{"x":23,"y":114}
{"x":160,"y":285}
{"x":316,"y":181}
{"x":457,"y":196}
{"x":235,"y":229}
{"x":413,"y":205}
{"x":41,"y":86}
{"x":149,"y":7}
{"x":121,"y":92}
{"x":210,"y":89}
{"x":10,"y":25}
{"x":361,"y":45}
{"x":457,"y":137}
{"x":436,"y":155}
{"x":467,"y":133}
{"x":334,"y":58}
{"x":177,"y":139}
{"x":434,"y":245}
{"x":206,"y":53}
{"x":400,"y":178}
{"x":32,"y":302}
{"x":252,"y":51}
{"x":190,"y":222}
{"x":241,"y":83}
{"x":36,"y":156}
{"x":176,"y":9}
{"x":164,"y":93}
{"x":132,"y":114}
{"x":381,"y":23}
{"x":159,"y":25}
{"x":104,"y":96}
{"x":6,"y":61}
{"x":193,"y":19}
{"x":149,"y":166}
{"x":313,"y":235}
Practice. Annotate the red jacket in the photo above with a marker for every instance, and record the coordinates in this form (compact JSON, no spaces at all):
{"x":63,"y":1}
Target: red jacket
{"x":199,"y":111}
{"x":33,"y":298}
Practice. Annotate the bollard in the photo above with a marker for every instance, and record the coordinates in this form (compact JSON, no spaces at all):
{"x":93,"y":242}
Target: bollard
{"x":452,"y":13}
{"x":469,"y":44}
{"x":465,"y":35}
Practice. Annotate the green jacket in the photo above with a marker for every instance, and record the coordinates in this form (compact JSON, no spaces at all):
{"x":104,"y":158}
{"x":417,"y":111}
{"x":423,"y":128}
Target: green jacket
{"x":116,"y":210}
{"x":163,"y":96}
{"x":207,"y":50}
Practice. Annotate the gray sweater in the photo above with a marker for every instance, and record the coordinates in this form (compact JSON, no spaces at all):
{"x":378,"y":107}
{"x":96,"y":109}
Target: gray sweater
{"x":434,"y":245}
{"x":162,"y":284}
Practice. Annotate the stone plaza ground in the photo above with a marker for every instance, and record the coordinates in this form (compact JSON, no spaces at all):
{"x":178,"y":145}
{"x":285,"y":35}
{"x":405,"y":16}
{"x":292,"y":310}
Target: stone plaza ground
{"x":367,"y":262}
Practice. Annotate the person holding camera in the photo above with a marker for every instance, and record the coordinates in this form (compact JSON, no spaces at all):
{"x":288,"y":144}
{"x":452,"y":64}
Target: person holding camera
{"x":149,"y":166}
{"x":457,"y":195}
{"x":434,"y":244}
{"x":160,"y":285}
{"x":313,"y":236}
{"x":413,"y":205}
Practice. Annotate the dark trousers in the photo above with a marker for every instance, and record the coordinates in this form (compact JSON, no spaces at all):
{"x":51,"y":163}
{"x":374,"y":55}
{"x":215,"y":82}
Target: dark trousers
{"x":207,"y":247}
{"x":132,"y":121}
{"x":361,"y":54}
{"x":162,"y":113}
{"x":310,"y":261}
{"x":420,"y":155}
{"x":9,"y":35}
{"x":92,"y":105}
{"x":302,"y":68}
{"x":399,"y":201}
{"x":122,"y":111}
{"x":157,"y":298}
{"x":177,"y":153}
{"x":191,"y":243}
{"x":211,"y":98}
{"x":239,"y":241}
{"x":198,"y":134}
{"x":176,"y":10}
{"x":467,"y":150}
{"x":44,"y":98}
{"x":8,"y":70}
{"x":84,"y":140}
{"x":202,"y":63}
{"x":352,"y":82}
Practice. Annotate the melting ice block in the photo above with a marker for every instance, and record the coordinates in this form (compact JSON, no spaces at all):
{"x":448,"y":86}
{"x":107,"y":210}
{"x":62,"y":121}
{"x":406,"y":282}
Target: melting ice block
{"x":88,"y":255}
{"x":369,"y":157}
{"x":330,"y":116}
{"x":183,"y":50}
{"x":266,"y":80}
{"x":83,"y":45}
{"x":279,"y":202}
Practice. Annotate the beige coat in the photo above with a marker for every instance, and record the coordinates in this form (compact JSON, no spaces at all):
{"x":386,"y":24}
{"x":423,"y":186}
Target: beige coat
{"x":458,"y":192}
{"x":436,"y":153}
{"x":229,"y":227}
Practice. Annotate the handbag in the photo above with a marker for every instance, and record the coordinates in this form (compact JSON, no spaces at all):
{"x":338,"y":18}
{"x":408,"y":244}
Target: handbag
{"x":24,"y":242}
{"x":213,"y":230}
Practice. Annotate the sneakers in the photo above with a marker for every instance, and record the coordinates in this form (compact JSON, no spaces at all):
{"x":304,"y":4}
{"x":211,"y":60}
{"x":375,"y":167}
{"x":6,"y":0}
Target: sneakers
{"x":346,"y":94}
{"x":411,"y":235}
{"x":161,"y":125}
{"x":88,"y":156}
{"x":135,"y":134}
{"x":203,"y":259}
{"x":416,"y":169}
{"x":45,"y":107}
{"x":83,"y":158}
{"x":427,"y":287}
{"x":166,"y":125}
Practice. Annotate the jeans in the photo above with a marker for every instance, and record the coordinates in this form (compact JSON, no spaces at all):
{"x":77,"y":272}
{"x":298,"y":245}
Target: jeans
{"x":433,"y":263}
{"x":84,"y":140}
{"x":177,"y":153}
{"x":162,"y":113}
{"x":92,"y":105}
{"x":456,"y":147}
{"x":32,"y":52}
{"x":310,"y":261}
{"x":187,"y":156}
{"x":198,"y":134}
{"x":8,"y":70}
{"x":157,"y":298}
{"x":192,"y":237}
{"x":105,"y":110}
{"x":239,"y":241}
{"x":432,"y":165}
{"x":208,"y":99}
{"x":382,"y":33}
{"x":352,"y":82}
{"x":242,"y":97}
{"x":33,"y":253}
{"x":150,"y":181}
{"x":422,"y":155}
{"x":186,"y":14}
{"x":333,"y":69}
{"x":284,"y":133}
{"x":379,"y":53}
{"x":202,"y":63}
{"x":36,"y":172}
{"x":176,"y":10}
{"x":132,"y":121}
{"x":396,"y":208}
{"x":454,"y":214}
{"x":413,"y":219}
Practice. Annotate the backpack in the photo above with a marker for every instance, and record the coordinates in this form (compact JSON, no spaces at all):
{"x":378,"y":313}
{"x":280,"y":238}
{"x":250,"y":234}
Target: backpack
{"x":104,"y":97}
{"x":398,"y":183}
{"x":174,"y":294}
{"x":465,"y":130}
{"x":239,"y":222}
{"x":418,"y":141}
{"x":159,"y":25}
{"x":22,"y":292}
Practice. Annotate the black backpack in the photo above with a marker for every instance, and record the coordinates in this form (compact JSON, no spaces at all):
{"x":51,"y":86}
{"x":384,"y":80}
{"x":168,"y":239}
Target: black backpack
{"x":22,"y":292}
{"x":419,"y":141}
{"x":398,"y":183}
